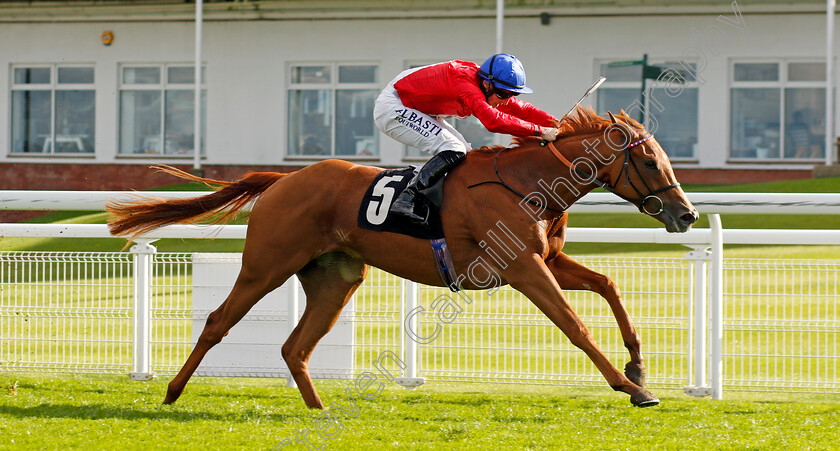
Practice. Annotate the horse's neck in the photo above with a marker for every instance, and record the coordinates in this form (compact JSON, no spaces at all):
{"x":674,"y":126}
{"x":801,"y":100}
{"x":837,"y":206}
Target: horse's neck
{"x":544,"y":173}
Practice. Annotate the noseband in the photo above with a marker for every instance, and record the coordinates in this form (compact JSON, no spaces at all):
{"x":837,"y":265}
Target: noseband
{"x":641,"y":201}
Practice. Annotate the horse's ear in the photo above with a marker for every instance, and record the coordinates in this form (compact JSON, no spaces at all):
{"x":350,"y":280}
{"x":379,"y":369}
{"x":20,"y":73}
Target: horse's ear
{"x":630,"y":121}
{"x":612,"y":118}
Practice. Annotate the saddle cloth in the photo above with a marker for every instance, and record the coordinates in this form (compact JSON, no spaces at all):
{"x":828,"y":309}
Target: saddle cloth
{"x":373,"y":212}
{"x":373,"y":215}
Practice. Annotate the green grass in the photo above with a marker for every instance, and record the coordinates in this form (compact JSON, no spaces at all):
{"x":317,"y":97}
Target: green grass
{"x":112,"y":412}
{"x":59,"y":411}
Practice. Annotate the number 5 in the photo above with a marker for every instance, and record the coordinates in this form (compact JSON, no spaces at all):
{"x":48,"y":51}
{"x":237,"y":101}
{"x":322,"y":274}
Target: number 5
{"x":377,"y":210}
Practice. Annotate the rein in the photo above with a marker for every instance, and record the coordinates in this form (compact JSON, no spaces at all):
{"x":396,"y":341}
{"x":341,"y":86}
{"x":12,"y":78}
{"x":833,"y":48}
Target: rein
{"x":512,"y":189}
{"x":640,"y":202}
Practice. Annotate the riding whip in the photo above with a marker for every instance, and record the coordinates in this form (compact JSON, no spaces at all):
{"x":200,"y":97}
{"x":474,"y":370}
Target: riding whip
{"x":589,"y":91}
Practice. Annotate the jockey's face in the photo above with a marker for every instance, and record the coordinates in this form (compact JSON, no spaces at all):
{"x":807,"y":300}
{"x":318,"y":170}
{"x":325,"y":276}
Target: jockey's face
{"x":492,"y":98}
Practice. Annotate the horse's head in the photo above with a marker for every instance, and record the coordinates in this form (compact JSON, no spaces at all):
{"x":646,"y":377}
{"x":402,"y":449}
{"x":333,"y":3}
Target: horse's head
{"x":641,"y":173}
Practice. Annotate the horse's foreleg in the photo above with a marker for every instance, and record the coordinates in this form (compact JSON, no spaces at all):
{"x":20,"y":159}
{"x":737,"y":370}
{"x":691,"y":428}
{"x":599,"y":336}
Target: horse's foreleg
{"x":328,"y":281}
{"x":571,"y":275}
{"x":534,"y":279}
{"x":249,"y":289}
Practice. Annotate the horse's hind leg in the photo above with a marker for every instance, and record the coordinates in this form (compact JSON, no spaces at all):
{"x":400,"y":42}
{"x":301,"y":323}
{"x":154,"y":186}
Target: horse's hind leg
{"x":328,"y":281}
{"x":251,"y":285}
{"x":571,"y":275}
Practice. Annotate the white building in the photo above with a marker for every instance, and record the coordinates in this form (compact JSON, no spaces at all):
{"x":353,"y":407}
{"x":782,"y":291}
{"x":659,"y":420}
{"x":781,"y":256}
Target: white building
{"x":290,"y":82}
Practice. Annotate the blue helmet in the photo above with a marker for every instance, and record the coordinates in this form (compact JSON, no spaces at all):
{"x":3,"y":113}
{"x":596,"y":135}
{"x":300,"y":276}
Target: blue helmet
{"x":504,"y":71}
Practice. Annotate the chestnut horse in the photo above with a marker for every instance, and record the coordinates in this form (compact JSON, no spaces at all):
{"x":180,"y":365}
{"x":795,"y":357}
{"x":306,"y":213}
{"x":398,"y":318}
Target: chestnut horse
{"x":305,"y":223}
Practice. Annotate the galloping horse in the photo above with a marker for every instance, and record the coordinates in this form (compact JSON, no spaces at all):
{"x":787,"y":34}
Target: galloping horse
{"x":305,"y":223}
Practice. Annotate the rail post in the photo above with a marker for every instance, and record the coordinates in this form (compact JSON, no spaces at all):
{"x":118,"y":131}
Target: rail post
{"x":698,"y":356}
{"x":411,"y":295}
{"x":716,"y":301}
{"x":143,"y":254}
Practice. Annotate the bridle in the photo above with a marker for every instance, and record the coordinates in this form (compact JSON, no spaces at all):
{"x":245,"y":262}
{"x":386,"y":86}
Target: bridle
{"x":642,"y":200}
{"x":639,"y":202}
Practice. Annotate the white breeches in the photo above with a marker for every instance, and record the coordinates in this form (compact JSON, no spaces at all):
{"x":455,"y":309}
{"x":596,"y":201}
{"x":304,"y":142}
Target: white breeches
{"x":415,"y":128}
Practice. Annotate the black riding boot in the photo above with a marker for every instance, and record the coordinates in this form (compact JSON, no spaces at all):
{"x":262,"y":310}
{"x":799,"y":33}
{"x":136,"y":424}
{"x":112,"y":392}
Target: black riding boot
{"x":431,"y":172}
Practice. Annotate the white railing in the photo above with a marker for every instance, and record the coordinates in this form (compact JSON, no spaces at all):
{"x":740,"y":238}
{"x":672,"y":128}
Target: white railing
{"x":757,"y":203}
{"x":706,"y":371}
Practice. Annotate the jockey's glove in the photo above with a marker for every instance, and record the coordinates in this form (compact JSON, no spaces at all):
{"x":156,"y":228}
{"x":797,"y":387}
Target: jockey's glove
{"x":549,"y":133}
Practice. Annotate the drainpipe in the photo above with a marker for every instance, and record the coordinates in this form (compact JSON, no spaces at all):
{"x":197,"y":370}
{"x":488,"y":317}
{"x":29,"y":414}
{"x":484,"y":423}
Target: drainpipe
{"x":500,"y":19}
{"x":199,"y":19}
{"x":829,"y":83}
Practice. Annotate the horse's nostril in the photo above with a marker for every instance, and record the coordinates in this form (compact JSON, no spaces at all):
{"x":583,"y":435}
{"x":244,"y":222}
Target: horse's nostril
{"x":689,"y":218}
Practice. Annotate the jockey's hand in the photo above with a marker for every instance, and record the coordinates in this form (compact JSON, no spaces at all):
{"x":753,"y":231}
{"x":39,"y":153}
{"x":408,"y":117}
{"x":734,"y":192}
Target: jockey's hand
{"x":549,"y":133}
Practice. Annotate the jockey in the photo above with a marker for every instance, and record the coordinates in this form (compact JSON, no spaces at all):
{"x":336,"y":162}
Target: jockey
{"x":409,"y":110}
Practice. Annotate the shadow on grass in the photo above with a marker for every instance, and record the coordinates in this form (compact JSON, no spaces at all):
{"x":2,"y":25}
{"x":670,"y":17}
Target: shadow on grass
{"x":99,"y":412}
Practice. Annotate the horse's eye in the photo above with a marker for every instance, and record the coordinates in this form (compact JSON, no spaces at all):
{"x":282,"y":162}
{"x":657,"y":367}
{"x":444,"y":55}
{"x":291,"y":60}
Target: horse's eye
{"x":650,"y":164}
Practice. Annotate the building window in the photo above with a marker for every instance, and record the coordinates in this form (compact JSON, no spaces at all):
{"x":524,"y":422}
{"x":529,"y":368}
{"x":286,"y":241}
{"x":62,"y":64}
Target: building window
{"x":157,"y":110}
{"x":670,"y":102}
{"x":470,"y":128}
{"x":777,"y":110}
{"x":331,"y":110}
{"x":53,"y":109}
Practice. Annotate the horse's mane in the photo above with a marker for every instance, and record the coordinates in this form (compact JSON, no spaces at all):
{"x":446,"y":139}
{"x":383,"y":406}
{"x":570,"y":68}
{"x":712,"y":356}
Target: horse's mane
{"x":581,"y":121}
{"x":585,"y":120}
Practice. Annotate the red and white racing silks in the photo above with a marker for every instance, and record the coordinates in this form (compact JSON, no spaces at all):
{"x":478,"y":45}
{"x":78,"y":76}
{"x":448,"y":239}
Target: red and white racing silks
{"x":451,"y":89}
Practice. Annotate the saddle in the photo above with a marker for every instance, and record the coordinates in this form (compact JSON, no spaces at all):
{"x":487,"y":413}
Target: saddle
{"x":374,"y":215}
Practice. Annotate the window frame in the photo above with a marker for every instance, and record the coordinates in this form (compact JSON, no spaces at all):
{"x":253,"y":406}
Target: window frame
{"x":162,"y":86}
{"x":781,"y":85}
{"x":650,"y":86}
{"x":333,"y":86}
{"x":52,"y":87}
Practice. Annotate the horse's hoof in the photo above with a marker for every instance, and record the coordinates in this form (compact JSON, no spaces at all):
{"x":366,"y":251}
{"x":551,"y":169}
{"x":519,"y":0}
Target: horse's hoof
{"x":644,"y":398}
{"x":171,"y":396}
{"x":636,"y":373}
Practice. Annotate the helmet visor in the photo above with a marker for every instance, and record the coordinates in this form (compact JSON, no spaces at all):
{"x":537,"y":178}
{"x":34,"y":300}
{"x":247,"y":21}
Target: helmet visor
{"x":500,"y":84}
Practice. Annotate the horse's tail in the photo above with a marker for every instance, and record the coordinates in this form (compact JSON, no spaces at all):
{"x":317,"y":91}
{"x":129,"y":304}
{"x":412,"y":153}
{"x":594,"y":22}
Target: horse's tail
{"x":138,"y":217}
